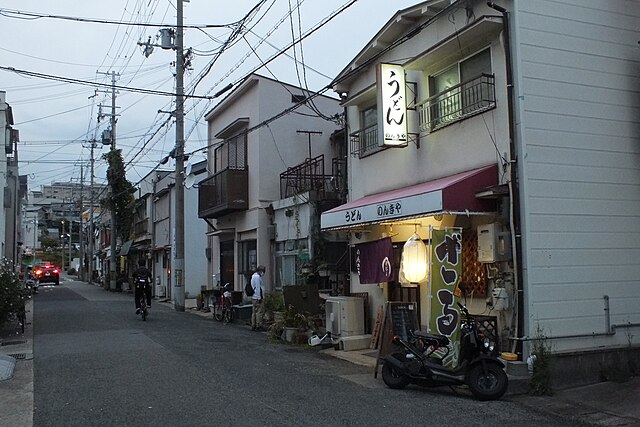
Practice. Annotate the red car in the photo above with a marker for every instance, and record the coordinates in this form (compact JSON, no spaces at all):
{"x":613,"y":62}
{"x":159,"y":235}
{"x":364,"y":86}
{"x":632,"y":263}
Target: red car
{"x":47,"y":273}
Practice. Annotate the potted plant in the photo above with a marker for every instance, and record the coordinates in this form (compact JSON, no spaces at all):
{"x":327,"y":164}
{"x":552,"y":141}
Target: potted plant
{"x":293,"y":322}
{"x":199,"y":301}
{"x":274,"y":305}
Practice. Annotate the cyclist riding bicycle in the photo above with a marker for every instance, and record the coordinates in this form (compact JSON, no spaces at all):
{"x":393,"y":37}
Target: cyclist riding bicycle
{"x":142,"y":282}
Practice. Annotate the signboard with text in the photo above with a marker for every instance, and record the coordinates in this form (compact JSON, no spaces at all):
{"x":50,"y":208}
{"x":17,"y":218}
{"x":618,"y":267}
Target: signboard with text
{"x":392,"y":105}
{"x":445,"y":272}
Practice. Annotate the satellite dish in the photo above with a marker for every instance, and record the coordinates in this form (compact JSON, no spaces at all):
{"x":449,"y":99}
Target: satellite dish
{"x":187,"y":169}
{"x":189,"y":181}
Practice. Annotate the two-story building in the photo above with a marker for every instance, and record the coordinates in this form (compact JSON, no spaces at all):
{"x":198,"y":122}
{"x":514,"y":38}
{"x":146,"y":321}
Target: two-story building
{"x":505,"y":138}
{"x":259,"y":131}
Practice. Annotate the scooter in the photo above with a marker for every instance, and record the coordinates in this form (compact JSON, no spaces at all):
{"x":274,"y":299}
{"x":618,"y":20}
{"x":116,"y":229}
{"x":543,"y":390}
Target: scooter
{"x":421,"y":361}
{"x":31,"y":284}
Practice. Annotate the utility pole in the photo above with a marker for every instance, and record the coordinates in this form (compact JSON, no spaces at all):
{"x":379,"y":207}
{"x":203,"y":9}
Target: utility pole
{"x":178,"y":266}
{"x":91,"y":237}
{"x":112,"y":258}
{"x":80,"y":228}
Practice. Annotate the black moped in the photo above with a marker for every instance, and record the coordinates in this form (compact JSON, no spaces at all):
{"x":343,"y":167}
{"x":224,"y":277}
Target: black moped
{"x":421,"y":361}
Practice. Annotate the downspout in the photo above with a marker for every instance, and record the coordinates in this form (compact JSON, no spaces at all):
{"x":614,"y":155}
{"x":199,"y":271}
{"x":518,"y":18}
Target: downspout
{"x":514,"y":191}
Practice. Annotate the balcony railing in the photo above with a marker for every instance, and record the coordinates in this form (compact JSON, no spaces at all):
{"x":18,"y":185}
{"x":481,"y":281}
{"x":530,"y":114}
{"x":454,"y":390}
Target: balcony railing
{"x":365,"y":141}
{"x":457,"y":103}
{"x":225,"y":192}
{"x":307,"y":176}
{"x":141,"y":228}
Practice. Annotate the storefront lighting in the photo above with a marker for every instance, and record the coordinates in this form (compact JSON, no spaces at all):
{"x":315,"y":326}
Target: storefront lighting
{"x":414,"y":259}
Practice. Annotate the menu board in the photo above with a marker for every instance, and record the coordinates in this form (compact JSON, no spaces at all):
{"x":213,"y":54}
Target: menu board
{"x":403,"y":318}
{"x":400,"y":319}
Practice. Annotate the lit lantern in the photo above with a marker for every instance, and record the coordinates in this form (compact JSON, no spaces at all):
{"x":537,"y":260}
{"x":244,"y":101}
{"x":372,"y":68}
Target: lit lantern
{"x":414,"y":259}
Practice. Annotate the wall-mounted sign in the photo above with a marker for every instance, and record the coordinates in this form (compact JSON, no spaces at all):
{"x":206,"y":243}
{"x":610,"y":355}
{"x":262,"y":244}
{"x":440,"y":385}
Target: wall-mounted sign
{"x":392,"y":105}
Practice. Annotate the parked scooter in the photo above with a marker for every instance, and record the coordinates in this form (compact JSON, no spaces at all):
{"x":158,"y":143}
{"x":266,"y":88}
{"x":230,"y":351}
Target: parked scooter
{"x":421,"y":361}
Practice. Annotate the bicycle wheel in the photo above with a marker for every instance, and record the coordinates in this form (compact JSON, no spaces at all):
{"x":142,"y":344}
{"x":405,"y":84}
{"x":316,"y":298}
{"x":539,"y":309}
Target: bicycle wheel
{"x":143,"y":309}
{"x":217,"y":312}
{"x":227,"y":313}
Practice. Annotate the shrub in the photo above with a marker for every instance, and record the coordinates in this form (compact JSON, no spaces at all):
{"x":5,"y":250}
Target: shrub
{"x":540,"y":382}
{"x":12,"y":294}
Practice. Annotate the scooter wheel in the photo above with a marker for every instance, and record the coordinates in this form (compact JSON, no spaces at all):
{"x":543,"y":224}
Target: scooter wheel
{"x":392,"y":377}
{"x":489,"y":385}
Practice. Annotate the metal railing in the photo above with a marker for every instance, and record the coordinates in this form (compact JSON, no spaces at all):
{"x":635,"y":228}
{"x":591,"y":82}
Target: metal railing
{"x":365,"y":141}
{"x":224,"y":192}
{"x":307,"y":176}
{"x":459,"y":102}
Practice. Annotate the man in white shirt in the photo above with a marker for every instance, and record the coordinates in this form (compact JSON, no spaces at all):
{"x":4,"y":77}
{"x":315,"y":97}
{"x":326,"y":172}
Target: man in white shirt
{"x":257,"y":284}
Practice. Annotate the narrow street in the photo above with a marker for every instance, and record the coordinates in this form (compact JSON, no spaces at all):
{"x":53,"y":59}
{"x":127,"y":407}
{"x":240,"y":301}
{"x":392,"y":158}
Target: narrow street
{"x":96,"y":363}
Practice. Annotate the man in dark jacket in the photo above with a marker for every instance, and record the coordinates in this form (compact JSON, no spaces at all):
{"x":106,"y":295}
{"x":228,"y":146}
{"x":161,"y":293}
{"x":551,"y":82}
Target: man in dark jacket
{"x":142,"y":283}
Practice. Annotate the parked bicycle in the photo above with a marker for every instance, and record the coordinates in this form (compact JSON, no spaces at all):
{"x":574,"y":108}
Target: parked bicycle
{"x":222,"y":308}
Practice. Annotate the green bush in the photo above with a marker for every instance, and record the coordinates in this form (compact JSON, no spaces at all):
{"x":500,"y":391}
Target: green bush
{"x":71,"y":271}
{"x":274,"y":301}
{"x":12,"y":294}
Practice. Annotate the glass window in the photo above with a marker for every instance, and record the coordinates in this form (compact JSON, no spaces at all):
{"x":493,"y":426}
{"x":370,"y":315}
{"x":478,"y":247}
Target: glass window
{"x":459,"y":90}
{"x":248,"y":257}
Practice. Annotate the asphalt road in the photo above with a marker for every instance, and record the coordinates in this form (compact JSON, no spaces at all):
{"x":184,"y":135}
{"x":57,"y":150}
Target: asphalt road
{"x":97,"y":364}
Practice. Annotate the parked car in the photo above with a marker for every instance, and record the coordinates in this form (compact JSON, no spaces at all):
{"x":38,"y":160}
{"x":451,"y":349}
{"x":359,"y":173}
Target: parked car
{"x":47,"y":273}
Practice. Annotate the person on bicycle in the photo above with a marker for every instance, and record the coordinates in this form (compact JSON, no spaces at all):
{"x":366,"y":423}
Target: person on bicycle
{"x":142,"y":282}
{"x":257,"y":314}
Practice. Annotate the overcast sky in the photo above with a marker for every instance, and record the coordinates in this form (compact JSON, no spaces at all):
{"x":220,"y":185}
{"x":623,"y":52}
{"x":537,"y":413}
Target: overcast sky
{"x":55,"y":118}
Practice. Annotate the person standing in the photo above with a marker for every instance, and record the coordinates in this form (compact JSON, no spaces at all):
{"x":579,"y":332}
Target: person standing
{"x":257,"y":300}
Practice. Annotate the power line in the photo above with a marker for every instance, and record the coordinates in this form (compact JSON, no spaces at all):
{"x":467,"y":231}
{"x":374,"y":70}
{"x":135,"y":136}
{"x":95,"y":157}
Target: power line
{"x":19,"y":14}
{"x":95,"y":84}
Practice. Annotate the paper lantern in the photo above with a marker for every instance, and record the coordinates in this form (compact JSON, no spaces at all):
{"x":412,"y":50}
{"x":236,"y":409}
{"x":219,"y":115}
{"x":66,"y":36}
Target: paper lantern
{"x":414,"y":259}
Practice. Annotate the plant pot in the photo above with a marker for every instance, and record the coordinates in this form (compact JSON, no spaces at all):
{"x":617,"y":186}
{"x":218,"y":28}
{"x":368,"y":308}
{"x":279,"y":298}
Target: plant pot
{"x":289,"y":333}
{"x":278,"y":316}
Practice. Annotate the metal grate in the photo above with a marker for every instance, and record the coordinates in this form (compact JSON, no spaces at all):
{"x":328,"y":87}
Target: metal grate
{"x":473,"y":273}
{"x":18,"y":356}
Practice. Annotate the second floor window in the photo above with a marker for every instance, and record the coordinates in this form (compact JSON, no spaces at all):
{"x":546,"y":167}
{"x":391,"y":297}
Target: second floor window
{"x":365,"y":140}
{"x":461,"y":89}
{"x":232,"y":154}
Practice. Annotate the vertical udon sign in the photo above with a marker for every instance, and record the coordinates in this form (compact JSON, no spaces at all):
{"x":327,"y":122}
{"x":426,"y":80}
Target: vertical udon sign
{"x":392,"y":105}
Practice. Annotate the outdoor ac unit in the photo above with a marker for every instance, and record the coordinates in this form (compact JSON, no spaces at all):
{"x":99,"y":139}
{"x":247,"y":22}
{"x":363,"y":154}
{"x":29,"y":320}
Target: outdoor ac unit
{"x":345,"y":316}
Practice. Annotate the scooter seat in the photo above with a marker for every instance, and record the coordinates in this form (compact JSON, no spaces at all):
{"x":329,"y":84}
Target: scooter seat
{"x":439,"y":340}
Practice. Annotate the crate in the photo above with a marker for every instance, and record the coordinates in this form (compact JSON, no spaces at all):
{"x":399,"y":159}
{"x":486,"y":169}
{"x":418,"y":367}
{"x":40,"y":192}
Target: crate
{"x":488,"y":325}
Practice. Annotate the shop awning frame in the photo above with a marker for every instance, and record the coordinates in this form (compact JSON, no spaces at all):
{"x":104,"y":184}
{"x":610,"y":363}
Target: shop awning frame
{"x":454,"y":194}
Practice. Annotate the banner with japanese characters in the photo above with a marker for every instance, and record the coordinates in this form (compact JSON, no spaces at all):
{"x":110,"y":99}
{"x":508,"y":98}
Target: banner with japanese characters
{"x":445,"y":272}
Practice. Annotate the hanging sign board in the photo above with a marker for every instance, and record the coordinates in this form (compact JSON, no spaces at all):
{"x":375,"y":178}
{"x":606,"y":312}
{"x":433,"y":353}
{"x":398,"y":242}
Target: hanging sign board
{"x":392,"y":105}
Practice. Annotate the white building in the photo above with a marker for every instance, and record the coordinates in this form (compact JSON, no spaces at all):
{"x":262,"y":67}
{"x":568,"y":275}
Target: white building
{"x":247,"y":154}
{"x":10,"y":199}
{"x":521,"y":126}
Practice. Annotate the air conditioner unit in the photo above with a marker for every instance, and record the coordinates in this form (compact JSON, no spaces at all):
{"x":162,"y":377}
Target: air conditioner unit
{"x":345,"y":316}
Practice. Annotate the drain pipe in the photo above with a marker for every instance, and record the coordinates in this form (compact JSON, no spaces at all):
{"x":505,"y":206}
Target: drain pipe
{"x":514,"y":191}
{"x":609,"y":328}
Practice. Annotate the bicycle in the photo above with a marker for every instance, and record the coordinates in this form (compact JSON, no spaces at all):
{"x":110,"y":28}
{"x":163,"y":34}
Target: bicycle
{"x":144,"y":312}
{"x":223,"y":308}
{"x":143,"y":308}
